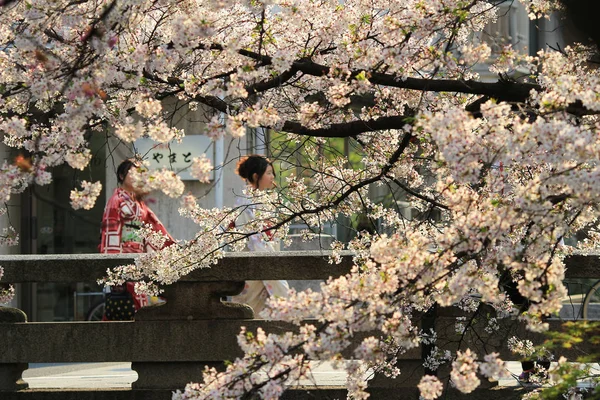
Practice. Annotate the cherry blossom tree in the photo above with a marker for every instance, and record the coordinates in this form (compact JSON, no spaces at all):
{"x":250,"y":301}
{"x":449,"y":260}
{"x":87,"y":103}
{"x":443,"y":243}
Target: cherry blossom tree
{"x":510,"y":166}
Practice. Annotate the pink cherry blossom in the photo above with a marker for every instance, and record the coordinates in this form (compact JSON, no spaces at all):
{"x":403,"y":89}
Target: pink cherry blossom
{"x":86,"y":198}
{"x":377,"y":118}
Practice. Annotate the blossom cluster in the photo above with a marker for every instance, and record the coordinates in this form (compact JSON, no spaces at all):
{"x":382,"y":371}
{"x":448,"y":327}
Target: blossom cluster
{"x":201,"y":168}
{"x":9,"y":237}
{"x":86,"y":197}
{"x":79,"y":160}
{"x":163,"y":179}
{"x":522,"y":347}
{"x":494,"y":368}
{"x":464,"y":372}
{"x":6,"y":294}
{"x":430,"y":387}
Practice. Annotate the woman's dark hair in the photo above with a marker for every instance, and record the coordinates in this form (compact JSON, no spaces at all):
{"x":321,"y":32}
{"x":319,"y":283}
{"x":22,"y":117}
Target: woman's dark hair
{"x":123,"y":169}
{"x":253,"y":164}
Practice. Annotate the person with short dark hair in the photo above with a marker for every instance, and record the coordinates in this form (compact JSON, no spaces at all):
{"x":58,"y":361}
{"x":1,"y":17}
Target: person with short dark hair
{"x":258,"y":173}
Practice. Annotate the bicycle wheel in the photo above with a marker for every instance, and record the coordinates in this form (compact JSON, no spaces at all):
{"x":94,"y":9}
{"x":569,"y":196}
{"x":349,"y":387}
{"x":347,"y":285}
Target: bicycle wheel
{"x":96,"y":312}
{"x":572,"y":304}
{"x":591,"y":303}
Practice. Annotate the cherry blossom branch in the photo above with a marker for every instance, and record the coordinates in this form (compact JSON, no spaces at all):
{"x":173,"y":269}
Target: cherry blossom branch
{"x":271,"y":83}
{"x":418,"y":195}
{"x":91,"y":32}
{"x":349,"y":129}
{"x":503,"y":89}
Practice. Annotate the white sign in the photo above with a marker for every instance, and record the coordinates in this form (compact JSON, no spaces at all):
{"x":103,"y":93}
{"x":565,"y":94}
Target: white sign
{"x":176,"y":156}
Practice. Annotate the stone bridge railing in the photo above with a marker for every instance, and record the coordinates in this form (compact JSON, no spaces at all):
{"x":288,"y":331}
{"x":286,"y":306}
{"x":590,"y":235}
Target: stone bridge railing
{"x":170,"y":345}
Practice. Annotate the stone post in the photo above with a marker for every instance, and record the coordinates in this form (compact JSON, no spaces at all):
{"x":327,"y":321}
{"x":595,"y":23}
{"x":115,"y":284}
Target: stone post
{"x":11,"y":373}
{"x":198,"y":300}
{"x":187,"y":301}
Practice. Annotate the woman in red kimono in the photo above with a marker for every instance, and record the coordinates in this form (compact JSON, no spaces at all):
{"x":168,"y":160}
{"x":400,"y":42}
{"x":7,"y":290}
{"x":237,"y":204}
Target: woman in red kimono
{"x":124,"y":215}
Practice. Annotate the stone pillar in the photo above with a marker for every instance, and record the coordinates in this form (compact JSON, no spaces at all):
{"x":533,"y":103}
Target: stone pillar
{"x":169,"y":375}
{"x":187,"y":301}
{"x":11,"y":373}
{"x":198,"y":300}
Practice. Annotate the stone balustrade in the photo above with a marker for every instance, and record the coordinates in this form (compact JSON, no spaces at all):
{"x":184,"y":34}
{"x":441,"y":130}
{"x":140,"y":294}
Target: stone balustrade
{"x":169,"y":345}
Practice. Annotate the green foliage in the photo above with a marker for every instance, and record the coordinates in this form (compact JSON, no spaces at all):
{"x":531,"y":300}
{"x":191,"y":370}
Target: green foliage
{"x":575,"y":332}
{"x":567,"y":374}
{"x":301,"y":158}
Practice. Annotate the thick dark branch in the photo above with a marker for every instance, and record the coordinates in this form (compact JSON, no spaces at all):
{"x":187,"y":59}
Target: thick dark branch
{"x":211,"y":101}
{"x":502,"y":90}
{"x":51,"y":33}
{"x":348,"y":129}
{"x":558,"y":198}
{"x":579,"y":110}
{"x":263,"y":86}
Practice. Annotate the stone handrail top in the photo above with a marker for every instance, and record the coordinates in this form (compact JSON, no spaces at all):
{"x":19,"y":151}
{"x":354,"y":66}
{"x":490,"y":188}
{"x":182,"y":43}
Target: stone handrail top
{"x":293,"y":265}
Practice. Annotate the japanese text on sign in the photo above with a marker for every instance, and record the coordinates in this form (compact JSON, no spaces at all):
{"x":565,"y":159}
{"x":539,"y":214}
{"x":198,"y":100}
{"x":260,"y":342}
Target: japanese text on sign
{"x":175,"y":156}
